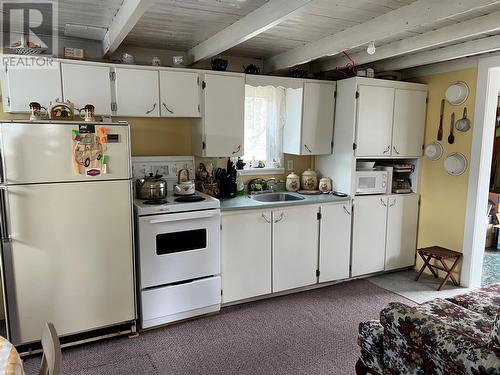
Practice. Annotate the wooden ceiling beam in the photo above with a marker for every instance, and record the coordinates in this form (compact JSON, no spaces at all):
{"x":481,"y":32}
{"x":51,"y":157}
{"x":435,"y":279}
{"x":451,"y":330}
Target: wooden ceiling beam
{"x":448,"y":34}
{"x":455,"y":51}
{"x":254,"y":23}
{"x":123,"y":22}
{"x":406,"y":18}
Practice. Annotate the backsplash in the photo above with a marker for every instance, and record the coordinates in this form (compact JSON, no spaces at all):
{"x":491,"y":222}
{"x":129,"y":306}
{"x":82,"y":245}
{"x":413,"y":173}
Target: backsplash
{"x":300,"y":164}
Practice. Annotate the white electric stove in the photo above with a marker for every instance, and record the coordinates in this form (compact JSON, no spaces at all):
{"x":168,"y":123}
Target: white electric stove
{"x":178,"y":248}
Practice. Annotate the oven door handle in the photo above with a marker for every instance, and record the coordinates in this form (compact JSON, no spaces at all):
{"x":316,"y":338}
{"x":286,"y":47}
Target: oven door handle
{"x":185,"y":216}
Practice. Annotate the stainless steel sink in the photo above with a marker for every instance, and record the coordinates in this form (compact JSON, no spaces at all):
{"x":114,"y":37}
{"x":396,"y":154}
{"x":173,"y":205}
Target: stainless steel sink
{"x":276,"y":197}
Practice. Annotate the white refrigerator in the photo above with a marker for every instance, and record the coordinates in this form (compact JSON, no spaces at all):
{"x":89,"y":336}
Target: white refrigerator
{"x":66,"y":228}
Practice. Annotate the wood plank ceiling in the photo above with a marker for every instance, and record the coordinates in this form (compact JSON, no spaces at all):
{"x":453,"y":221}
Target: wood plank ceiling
{"x":182,"y":24}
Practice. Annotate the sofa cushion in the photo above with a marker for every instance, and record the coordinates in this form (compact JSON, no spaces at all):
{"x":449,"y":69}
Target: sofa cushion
{"x":466,"y":321}
{"x":495,"y":336}
{"x":420,"y":341}
{"x":483,"y":301}
{"x":370,"y":340}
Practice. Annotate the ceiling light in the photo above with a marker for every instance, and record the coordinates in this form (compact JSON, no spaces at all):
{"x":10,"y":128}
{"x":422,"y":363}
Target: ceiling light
{"x":371,"y":48}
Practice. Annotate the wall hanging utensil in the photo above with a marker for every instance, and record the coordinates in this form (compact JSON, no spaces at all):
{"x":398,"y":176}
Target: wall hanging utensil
{"x":440,"y":130}
{"x":451,"y":137}
{"x":463,"y":124}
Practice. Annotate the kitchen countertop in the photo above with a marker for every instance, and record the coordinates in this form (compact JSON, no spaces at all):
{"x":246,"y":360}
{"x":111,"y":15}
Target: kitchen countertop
{"x":244,"y":202}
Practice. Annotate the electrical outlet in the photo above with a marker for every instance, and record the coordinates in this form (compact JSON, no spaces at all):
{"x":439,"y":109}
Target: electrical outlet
{"x":289,"y":165}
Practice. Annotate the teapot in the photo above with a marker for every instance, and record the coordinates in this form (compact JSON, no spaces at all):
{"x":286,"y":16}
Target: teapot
{"x":152,"y":187}
{"x":251,"y":69}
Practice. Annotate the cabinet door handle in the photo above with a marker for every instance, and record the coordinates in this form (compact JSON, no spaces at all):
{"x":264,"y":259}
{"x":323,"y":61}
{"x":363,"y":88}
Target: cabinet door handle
{"x":307,"y":148}
{"x":387,"y":150}
{"x":346,"y":210}
{"x":266,"y":219}
{"x":282,"y":215}
{"x":237,"y":150}
{"x":395,"y":150}
{"x":393,"y":203}
{"x":151,"y":110}
{"x":383,"y":203}
{"x":166,"y":107}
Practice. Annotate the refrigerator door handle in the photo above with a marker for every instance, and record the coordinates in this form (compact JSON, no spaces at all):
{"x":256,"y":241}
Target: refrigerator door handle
{"x":2,"y":171}
{"x":4,"y":216}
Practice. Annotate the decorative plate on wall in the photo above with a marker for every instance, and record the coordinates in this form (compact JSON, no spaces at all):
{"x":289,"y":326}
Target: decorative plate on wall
{"x":455,"y":164}
{"x":457,"y":93}
{"x":434,"y":151}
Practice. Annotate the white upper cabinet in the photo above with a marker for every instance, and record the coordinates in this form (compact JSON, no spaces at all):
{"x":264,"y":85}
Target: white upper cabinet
{"x":368,"y":236}
{"x":374,"y":121}
{"x":409,"y":122}
{"x":309,"y":119}
{"x":220,"y":131}
{"x":26,"y":85}
{"x":179,"y":94}
{"x":317,"y":118}
{"x":87,"y":84}
{"x":295,"y":247}
{"x":402,"y":220}
{"x":137,"y":92}
{"x":335,"y":242}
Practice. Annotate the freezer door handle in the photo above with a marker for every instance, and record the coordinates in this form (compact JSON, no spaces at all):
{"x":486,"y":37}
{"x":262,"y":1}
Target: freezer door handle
{"x":185,"y":216}
{"x":4,"y":216}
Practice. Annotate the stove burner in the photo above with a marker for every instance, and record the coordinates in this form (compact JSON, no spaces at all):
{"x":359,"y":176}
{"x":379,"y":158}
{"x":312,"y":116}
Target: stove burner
{"x":155,"y":201}
{"x":189,"y":198}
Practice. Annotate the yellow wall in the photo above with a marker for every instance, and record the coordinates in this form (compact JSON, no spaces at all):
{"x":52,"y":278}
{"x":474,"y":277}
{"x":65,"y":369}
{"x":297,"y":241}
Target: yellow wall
{"x":443,"y":197}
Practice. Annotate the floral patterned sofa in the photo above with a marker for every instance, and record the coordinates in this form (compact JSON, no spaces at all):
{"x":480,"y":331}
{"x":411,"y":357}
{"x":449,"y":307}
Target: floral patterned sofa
{"x":459,"y":335}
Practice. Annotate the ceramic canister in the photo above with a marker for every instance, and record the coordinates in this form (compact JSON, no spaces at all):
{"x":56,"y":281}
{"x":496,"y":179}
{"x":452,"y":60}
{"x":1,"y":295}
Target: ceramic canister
{"x":325,"y":184}
{"x":292,"y":182}
{"x":309,"y":180}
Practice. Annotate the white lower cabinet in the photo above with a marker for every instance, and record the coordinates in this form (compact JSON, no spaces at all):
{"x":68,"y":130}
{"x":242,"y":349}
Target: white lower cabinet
{"x":266,"y":251}
{"x":335,"y":242}
{"x":384,"y":233}
{"x":246,"y":254}
{"x":295,"y":247}
{"x":368,"y":234}
{"x":402,"y":221}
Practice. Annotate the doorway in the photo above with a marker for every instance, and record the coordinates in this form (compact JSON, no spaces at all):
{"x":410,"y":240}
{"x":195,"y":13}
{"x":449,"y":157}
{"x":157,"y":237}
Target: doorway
{"x":491,"y":261}
{"x":488,"y":88}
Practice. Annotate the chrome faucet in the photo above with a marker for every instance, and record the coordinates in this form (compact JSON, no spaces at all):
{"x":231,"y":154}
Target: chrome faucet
{"x":271,"y":183}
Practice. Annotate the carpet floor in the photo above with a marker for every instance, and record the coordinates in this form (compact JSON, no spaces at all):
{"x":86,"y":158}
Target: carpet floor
{"x":311,"y":332}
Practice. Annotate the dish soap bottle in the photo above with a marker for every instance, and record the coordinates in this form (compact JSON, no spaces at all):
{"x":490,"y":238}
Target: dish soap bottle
{"x":240,"y":186}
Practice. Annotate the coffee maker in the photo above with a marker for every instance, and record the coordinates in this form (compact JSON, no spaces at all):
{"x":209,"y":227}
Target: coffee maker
{"x":401,"y":178}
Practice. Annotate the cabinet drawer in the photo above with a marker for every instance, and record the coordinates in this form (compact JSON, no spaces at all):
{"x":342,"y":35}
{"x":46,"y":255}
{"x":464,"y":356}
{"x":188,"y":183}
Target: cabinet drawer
{"x":175,"y":302}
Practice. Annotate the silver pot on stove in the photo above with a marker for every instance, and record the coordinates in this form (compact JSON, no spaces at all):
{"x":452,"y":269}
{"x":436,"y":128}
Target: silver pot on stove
{"x":152,"y":187}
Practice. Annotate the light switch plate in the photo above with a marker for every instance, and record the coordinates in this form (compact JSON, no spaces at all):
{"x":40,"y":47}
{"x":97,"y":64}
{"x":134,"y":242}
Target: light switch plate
{"x":289,"y":165}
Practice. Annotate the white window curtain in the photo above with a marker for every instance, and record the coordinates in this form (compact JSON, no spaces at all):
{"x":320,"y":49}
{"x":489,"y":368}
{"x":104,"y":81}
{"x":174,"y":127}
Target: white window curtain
{"x":265,"y":118}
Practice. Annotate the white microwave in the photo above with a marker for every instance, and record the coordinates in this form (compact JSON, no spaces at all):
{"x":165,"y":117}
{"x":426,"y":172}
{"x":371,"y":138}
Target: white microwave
{"x":372,"y":182}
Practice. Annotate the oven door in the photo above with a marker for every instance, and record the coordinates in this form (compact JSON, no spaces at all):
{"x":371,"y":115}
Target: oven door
{"x":178,"y":247}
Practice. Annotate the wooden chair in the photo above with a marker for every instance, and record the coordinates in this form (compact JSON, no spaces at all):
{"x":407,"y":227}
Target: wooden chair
{"x":51,"y":359}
